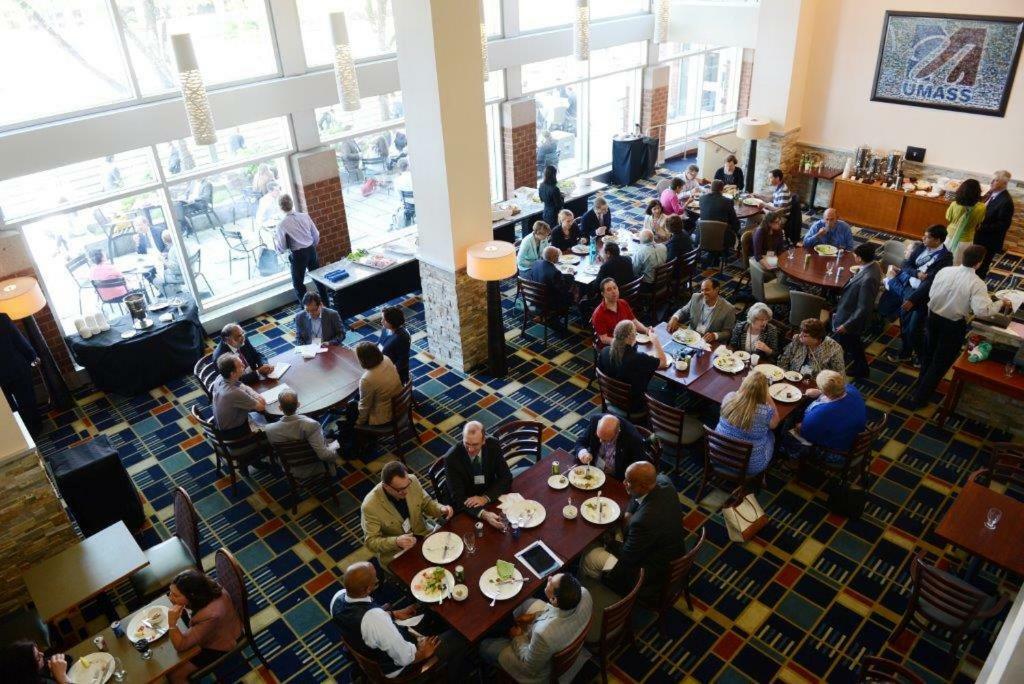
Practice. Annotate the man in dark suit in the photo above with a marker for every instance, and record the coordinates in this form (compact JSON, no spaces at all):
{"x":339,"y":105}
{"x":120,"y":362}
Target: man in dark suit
{"x":906,"y":293}
{"x":855,"y":307}
{"x":544,"y":271}
{"x":317,"y":321}
{"x":653,"y":536}
{"x":477,"y":473}
{"x":611,"y":444}
{"x":233,"y":340}
{"x":596,"y":221}
{"x":16,"y":373}
{"x":714,"y":206}
{"x":998,"y":214}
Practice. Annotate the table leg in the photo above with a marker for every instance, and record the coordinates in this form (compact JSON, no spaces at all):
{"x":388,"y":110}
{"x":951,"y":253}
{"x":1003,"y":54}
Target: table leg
{"x":956,"y":388}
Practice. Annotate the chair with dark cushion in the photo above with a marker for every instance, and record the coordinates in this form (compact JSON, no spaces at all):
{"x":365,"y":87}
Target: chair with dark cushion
{"x":678,"y":584}
{"x":177,"y":554}
{"x":438,"y":474}
{"x":429,"y":670}
{"x":300,"y":455}
{"x":725,"y":462}
{"x":846,"y":466}
{"x":538,"y":301}
{"x":239,"y":453}
{"x":768,"y":291}
{"x":804,"y":305}
{"x":616,"y":397}
{"x":712,"y":240}
{"x":882,"y":671}
{"x":520,"y":441}
{"x":689,"y":269}
{"x":615,"y":628}
{"x":662,"y":292}
{"x":674,"y":429}
{"x":1005,"y":466}
{"x":401,"y":427}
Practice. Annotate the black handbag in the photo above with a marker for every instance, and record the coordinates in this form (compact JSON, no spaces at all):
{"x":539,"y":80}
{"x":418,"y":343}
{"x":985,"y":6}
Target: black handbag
{"x":848,"y":502}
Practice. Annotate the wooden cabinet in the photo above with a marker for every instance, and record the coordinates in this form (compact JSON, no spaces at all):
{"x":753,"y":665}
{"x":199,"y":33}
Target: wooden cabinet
{"x":893,"y":211}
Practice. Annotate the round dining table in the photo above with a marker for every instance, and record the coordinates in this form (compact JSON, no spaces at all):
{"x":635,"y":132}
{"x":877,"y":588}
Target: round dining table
{"x":328,"y":379}
{"x":815,"y":271}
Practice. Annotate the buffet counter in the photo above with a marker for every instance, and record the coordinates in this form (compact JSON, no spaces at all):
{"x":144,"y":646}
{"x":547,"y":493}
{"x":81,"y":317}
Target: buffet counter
{"x":894,"y":211}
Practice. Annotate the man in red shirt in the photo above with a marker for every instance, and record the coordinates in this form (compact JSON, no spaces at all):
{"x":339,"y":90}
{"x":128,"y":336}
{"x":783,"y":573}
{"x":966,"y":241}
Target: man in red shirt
{"x":610,"y":311}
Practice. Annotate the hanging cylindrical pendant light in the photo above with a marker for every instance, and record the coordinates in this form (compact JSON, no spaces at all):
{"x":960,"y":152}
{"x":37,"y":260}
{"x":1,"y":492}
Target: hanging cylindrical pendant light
{"x":581,"y":31}
{"x":193,"y":91}
{"x":344,"y":65}
{"x":662,"y":18}
{"x":483,"y":41}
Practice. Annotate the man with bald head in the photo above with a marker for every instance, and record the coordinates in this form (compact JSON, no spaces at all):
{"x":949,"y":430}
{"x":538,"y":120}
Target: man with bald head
{"x":297,"y":428}
{"x":375,"y":633}
{"x":233,"y":341}
{"x":648,"y":256}
{"x":477,"y":473}
{"x":652,"y":539}
{"x":611,"y":444}
{"x":544,"y":270}
{"x":829,"y":230}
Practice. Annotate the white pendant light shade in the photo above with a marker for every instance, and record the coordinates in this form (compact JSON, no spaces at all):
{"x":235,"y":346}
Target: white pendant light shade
{"x":483,"y":41}
{"x":581,"y":31}
{"x":344,"y":65}
{"x":193,"y":91}
{"x":662,"y":19}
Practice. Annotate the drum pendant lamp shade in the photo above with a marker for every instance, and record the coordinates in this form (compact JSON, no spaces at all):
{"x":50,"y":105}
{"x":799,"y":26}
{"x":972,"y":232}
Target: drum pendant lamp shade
{"x":490,"y":261}
{"x":581,"y":31}
{"x":662,"y":19}
{"x":344,"y":65}
{"x":193,"y":90}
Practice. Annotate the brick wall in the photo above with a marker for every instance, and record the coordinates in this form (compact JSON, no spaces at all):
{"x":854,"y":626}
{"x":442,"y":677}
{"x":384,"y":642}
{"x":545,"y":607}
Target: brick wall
{"x":654,"y":114}
{"x":519,"y":154}
{"x":325,"y":204}
{"x":746,"y":76}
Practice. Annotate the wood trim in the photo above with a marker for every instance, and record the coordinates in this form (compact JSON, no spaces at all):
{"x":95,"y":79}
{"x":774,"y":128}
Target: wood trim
{"x":893,"y":211}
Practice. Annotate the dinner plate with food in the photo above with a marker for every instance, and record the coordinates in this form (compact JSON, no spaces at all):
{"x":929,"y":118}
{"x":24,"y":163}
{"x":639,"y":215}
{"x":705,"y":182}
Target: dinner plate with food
{"x":741,"y":355}
{"x":569,"y":259}
{"x":501,"y":581}
{"x":527,"y":513}
{"x":600,"y":510}
{"x":95,"y":668}
{"x":793,"y":376}
{"x":580,"y":249}
{"x":687,"y":336}
{"x":773,"y":373}
{"x":558,"y":482}
{"x":727,"y":363}
{"x":566,"y":269}
{"x":442,"y":547}
{"x":1015,"y":296}
{"x":586,"y":477}
{"x":149,"y":624}
{"x":826,"y":250}
{"x":784,"y":392}
{"x":590,"y":269}
{"x":753,"y":201}
{"x":432,"y":584}
{"x":643,"y":339}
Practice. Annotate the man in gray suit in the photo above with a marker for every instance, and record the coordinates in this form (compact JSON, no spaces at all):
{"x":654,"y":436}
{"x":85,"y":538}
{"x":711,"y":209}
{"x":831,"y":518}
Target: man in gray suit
{"x":295,"y":428}
{"x":708,"y":312}
{"x":541,"y":630}
{"x":856,"y":304}
{"x":317,"y":321}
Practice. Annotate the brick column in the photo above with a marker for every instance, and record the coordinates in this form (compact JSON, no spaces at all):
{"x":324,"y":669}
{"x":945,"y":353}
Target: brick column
{"x":746,"y":75}
{"x":519,"y":143}
{"x":654,"y":105}
{"x":318,"y":193}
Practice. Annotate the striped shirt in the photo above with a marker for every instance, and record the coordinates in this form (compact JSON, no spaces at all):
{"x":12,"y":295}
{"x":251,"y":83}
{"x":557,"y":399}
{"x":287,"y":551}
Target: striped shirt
{"x":781,"y":196}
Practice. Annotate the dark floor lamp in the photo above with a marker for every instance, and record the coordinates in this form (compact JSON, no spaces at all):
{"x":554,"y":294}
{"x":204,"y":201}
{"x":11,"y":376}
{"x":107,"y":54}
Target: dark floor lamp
{"x":20,"y":298}
{"x":752,"y":128}
{"x":491,"y":262}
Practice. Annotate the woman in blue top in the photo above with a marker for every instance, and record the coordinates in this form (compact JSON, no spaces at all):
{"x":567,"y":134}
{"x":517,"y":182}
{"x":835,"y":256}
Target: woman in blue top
{"x":835,"y":418}
{"x":532,"y":246}
{"x":750,"y":414}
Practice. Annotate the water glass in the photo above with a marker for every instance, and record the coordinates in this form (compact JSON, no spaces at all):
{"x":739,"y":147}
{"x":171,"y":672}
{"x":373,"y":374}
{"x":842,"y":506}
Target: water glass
{"x":469,"y":539}
{"x":119,"y":671}
{"x":754,"y":358}
{"x":1009,"y":370}
{"x":829,"y":267}
{"x":142,"y":646}
{"x":993,"y":517}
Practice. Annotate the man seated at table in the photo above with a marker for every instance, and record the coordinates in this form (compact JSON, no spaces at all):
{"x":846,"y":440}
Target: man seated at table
{"x":233,"y":341}
{"x":648,"y":255}
{"x":297,"y":428}
{"x":708,"y":312}
{"x":714,"y":206}
{"x":905,"y":293}
{"x":394,"y":513}
{"x":104,"y":270}
{"x":829,"y":230}
{"x":768,"y":237}
{"x":781,"y":196}
{"x":596,"y":222}
{"x":621,"y":360}
{"x":611,"y":444}
{"x":653,"y":535}
{"x":541,"y":629}
{"x":679,"y":241}
{"x":375,"y":633}
{"x":559,"y":292}
{"x":836,"y":416}
{"x":615,"y":266}
{"x":234,"y":401}
{"x":610,"y":311}
{"x":812,"y":348}
{"x":477,"y":473}
{"x":318,"y":322}
{"x":670,"y":203}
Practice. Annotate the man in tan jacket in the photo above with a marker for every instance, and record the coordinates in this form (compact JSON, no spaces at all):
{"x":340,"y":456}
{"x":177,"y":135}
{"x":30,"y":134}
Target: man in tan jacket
{"x":392,"y":514}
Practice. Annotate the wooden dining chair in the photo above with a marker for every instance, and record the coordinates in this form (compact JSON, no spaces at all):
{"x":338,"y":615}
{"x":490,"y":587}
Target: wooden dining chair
{"x":616,"y":626}
{"x":430,"y":670}
{"x":764,"y":290}
{"x":677,"y":584}
{"x":847,"y":467}
{"x":725,"y":462}
{"x":712,"y":241}
{"x":662,"y":291}
{"x":674,"y":428}
{"x":438,"y":474}
{"x":689,"y":270}
{"x":946,"y":605}
{"x":631,"y":293}
{"x":651,"y":446}
{"x":882,"y":671}
{"x":538,"y":301}
{"x":238,"y":453}
{"x":402,"y":426}
{"x":520,"y":441}
{"x":1005,"y":466}
{"x":296,"y":457}
{"x":206,"y":372}
{"x":564,"y":660}
{"x":616,"y":398}
{"x":174,"y":555}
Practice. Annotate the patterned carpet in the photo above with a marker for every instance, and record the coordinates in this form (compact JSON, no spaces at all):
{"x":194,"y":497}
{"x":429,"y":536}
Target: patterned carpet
{"x":802,"y":602}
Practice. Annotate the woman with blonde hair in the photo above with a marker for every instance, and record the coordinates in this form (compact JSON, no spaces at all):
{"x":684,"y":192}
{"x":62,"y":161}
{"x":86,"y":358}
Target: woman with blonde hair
{"x":750,"y":414}
{"x":567,"y":233}
{"x":532,"y":246}
{"x":621,"y":360}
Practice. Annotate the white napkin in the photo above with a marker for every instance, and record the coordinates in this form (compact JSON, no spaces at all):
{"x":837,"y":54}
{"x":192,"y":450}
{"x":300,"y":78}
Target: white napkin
{"x":274,"y":392}
{"x":410,"y":622}
{"x":510,"y":501}
{"x":279,"y":370}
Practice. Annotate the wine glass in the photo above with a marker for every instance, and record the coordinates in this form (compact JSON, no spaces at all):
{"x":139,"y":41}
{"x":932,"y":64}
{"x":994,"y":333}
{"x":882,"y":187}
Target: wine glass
{"x":829,"y":267}
{"x":119,"y":671}
{"x":993,"y":517}
{"x":142,"y":646}
{"x":469,"y":539}
{"x":1008,"y":369}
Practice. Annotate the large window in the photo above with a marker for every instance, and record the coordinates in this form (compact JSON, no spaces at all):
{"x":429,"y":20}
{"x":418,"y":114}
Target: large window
{"x":703,"y":89}
{"x":535,"y":15}
{"x":371,"y":28}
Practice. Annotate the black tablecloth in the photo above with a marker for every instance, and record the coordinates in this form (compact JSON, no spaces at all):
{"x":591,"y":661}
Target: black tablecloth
{"x":97,"y":488}
{"x":628,"y":160}
{"x":650,"y":155}
{"x":151,"y":358}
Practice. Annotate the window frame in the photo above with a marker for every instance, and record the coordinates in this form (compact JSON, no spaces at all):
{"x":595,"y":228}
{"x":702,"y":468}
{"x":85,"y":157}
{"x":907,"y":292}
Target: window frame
{"x":701,"y":115}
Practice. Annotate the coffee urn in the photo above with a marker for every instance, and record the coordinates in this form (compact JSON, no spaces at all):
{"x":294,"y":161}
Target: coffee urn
{"x":136,"y":304}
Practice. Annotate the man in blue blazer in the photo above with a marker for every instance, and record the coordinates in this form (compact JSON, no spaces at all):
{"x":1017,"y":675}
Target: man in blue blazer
{"x":316,"y":321}
{"x":596,"y":221}
{"x":234,"y":341}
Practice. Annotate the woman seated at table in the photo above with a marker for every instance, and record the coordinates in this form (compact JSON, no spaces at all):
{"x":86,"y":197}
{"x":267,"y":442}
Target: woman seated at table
{"x":654,"y":221}
{"x":621,"y":360}
{"x":213,"y":624}
{"x":769,"y":237}
{"x":533,"y":246}
{"x":395,"y":341}
{"x":104,"y":270}
{"x":22,"y":662}
{"x":812,"y":351}
{"x":596,"y":222}
{"x":756,"y":335}
{"x":750,"y":414}
{"x":730,"y":174}
{"x":679,"y":241}
{"x":834,"y":419}
{"x":567,"y":233}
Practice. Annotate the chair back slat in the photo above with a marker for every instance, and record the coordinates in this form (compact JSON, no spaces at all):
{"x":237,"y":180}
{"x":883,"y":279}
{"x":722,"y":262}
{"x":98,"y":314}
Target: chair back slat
{"x":712,"y":235}
{"x":615,"y":394}
{"x":936,"y":589}
{"x":401,"y":405}
{"x":663,"y":276}
{"x":186,"y":525}
{"x":667,"y":421}
{"x":535,"y":294}
{"x":726,"y":454}
{"x":615,"y":618}
{"x":1007,"y":464}
{"x":563,"y":661}
{"x":232,"y":580}
{"x":294,"y":454}
{"x":438,"y":475}
{"x":882,"y":671}
{"x":519,"y":440}
{"x":631,"y":290}
{"x":678,"y":572}
{"x":652,"y":447}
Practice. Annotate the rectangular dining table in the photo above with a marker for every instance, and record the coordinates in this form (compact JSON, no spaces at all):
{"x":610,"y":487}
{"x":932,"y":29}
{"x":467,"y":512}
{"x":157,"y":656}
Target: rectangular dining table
{"x":165,"y":657}
{"x":474,"y":617}
{"x":964,"y":526}
{"x":84,"y":570}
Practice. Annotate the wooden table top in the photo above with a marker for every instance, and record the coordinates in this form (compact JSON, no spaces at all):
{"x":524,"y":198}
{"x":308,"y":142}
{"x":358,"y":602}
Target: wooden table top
{"x":743,"y":211}
{"x":698,"y":364}
{"x":815,"y":272}
{"x":826,"y":173}
{"x":321,"y":382}
{"x":84,"y":570}
{"x":165,"y":657}
{"x":567,"y":538}
{"x":964,"y":526}
{"x":990,"y":374}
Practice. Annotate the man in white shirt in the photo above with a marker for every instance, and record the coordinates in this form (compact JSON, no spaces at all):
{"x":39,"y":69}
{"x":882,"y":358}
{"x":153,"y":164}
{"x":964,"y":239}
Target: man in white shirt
{"x":268,"y":213}
{"x":956,"y":293}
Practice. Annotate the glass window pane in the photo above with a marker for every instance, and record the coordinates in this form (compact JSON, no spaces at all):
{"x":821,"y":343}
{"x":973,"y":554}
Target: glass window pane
{"x":231,"y":39}
{"x":617,"y":58}
{"x":225,"y":220}
{"x":541,"y":14}
{"x":494,"y":86}
{"x":58,"y":56}
{"x":127,"y":236}
{"x":602,"y":9}
{"x":494,"y":158}
{"x":559,"y":143}
{"x":374,"y":112}
{"x":618,"y":113}
{"x":76,"y":183}
{"x":540,"y":75}
{"x":234,"y":144}
{"x":492,"y":17}
{"x":673,"y":49}
{"x":371,"y":28}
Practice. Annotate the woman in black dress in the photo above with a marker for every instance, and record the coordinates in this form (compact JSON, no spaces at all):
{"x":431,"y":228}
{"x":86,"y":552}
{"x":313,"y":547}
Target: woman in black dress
{"x":551,"y":196}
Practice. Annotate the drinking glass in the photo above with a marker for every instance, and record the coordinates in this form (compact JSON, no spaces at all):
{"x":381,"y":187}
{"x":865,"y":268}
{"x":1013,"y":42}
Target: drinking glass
{"x":1008,"y":369}
{"x":469,"y":539}
{"x":754,"y":358}
{"x":119,"y":672}
{"x":992,"y":519}
{"x":142,"y":646}
{"x":829,"y":268}
{"x":791,"y":254}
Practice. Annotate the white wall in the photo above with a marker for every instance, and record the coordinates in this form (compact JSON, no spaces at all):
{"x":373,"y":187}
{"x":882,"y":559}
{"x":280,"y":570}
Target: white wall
{"x":838,"y":111}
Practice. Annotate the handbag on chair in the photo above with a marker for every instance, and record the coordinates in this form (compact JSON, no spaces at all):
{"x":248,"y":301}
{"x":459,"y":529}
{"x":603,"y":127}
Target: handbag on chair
{"x":744,"y":519}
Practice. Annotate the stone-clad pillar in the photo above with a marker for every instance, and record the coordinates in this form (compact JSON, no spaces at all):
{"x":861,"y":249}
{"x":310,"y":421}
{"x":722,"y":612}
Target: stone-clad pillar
{"x":318,"y":190}
{"x":654,"y":105}
{"x":519,"y":143}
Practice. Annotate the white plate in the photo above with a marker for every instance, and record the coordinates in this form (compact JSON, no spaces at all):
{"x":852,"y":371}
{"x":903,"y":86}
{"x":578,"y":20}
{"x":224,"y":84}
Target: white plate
{"x":569,"y":259}
{"x":728,"y":364}
{"x":741,"y":355}
{"x":773,"y":373}
{"x":158,"y":306}
{"x":600,"y":512}
{"x":434,"y":547}
{"x":753,"y":201}
{"x":420,"y":593}
{"x":590,"y":269}
{"x":567,"y":269}
{"x":128,"y":334}
{"x":578,"y":479}
{"x":826,"y":250}
{"x":490,"y":588}
{"x":527,"y":512}
{"x":642,"y":339}
{"x":558,"y":482}
{"x":784,"y":392}
{"x":687,"y":336}
{"x":153,"y":629}
{"x":580,"y":249}
{"x":98,"y":662}
{"x":793,"y":376}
